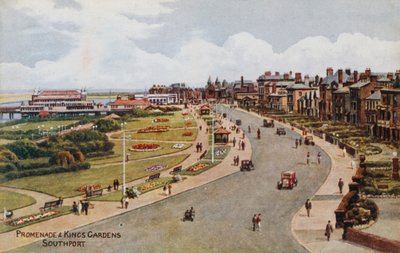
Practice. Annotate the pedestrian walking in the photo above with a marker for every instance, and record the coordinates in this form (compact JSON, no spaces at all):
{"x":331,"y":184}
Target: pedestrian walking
{"x":353,"y":165}
{"x":79,"y":207}
{"x":117,"y":184}
{"x":243,"y":145}
{"x":243,"y":135}
{"x":254,"y":221}
{"x":237,"y":160}
{"x":165,"y":189}
{"x":169,"y":189}
{"x":201,"y":127}
{"x":197,"y":147}
{"x":234,"y":142}
{"x":258,"y":222}
{"x":201,"y":147}
{"x":86,"y":207}
{"x":328,"y":230}
{"x":344,"y":151}
{"x":240,"y":144}
{"x":340,"y":185}
{"x":296,"y":143}
{"x":308,"y":158}
{"x":126,"y":202}
{"x":300,"y":141}
{"x":319,"y":157}
{"x":74,"y":208}
{"x":234,"y":161}
{"x":122,"y":202}
{"x":308,"y":207}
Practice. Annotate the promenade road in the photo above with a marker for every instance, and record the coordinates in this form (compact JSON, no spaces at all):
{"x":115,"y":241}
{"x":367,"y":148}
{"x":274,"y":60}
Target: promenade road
{"x":224,"y":208}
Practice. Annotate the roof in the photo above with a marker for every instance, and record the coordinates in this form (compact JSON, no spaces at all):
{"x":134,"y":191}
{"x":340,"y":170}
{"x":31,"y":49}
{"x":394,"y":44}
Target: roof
{"x":204,"y":107}
{"x":342,"y":90}
{"x":360,"y":84}
{"x":221,"y":130}
{"x":375,"y":96}
{"x":299,"y":86}
{"x":113,"y":116}
{"x":59,"y":92}
{"x":130,"y":102}
{"x":335,"y":78}
{"x":44,"y":113}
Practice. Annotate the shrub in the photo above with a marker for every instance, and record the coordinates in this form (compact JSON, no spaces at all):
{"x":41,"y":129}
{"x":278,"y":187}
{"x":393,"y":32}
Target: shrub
{"x":26,"y":149}
{"x":45,"y":171}
{"x":369,"y":190}
{"x":104,"y":125}
{"x":100,"y":153}
{"x":62,"y":158}
{"x":7,"y":167}
{"x":7,"y":156}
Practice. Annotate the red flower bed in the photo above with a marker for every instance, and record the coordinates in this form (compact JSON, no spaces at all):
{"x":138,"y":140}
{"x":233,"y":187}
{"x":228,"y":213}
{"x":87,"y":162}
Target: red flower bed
{"x":187,"y":134}
{"x":185,"y":113}
{"x":88,"y":187}
{"x":161,"y":120}
{"x":188,"y":124}
{"x":145,"y":146}
{"x":153,"y":129}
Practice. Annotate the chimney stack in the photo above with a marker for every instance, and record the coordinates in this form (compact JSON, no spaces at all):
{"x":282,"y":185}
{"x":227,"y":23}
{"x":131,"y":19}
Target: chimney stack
{"x":276,"y":73}
{"x":340,"y":75}
{"x":286,"y":76}
{"x":355,"y":76}
{"x":267,"y":73}
{"x":348,"y":71}
{"x":329,"y":71}
{"x":390,"y":76}
{"x":297,"y":77}
{"x":367,"y":72}
{"x":241,"y":82}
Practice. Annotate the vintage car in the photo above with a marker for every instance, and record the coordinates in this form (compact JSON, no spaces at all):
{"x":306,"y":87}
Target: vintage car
{"x":309,"y":140}
{"x":267,"y":123}
{"x":288,"y":180}
{"x":280,"y":131}
{"x":238,"y":122}
{"x":224,"y":115}
{"x":246,"y":165}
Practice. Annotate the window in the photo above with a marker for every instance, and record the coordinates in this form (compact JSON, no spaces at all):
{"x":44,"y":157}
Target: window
{"x":395,"y":100}
{"x":394,"y":117}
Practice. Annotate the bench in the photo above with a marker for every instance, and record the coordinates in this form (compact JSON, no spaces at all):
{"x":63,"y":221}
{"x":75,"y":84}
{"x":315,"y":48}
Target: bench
{"x":203,"y":155}
{"x":176,"y":170}
{"x":383,"y":186}
{"x":94,"y":193}
{"x":51,"y":204}
{"x":152,"y":177}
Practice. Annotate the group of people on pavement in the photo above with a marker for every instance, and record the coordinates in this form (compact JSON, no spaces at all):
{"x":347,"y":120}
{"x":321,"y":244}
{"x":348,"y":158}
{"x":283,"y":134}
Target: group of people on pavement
{"x":256,"y":222}
{"x":81,"y":207}
{"x":167,"y":189}
{"x":236,"y":160}
{"x":199,"y":147}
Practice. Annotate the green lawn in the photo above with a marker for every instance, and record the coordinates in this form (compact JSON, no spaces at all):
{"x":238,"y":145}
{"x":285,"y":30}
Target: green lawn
{"x":166,"y":148}
{"x":66,"y":184}
{"x":46,"y":125}
{"x":13,"y":200}
{"x":175,"y":121}
{"x":63,"y":211}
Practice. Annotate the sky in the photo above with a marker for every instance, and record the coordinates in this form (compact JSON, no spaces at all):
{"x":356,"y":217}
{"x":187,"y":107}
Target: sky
{"x":132,"y":44}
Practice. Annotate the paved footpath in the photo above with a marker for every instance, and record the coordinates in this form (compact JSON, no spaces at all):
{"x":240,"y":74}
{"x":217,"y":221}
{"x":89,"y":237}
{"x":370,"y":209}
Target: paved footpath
{"x":104,"y":210}
{"x":309,"y":231}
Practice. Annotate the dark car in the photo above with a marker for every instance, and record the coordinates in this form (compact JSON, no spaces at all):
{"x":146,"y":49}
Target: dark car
{"x":238,"y":122}
{"x":280,"y":131}
{"x":267,"y":123}
{"x":246,"y":165}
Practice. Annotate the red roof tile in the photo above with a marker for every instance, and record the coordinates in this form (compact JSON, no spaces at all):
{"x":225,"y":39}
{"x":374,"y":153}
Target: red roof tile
{"x":221,"y":130}
{"x":130,"y":102}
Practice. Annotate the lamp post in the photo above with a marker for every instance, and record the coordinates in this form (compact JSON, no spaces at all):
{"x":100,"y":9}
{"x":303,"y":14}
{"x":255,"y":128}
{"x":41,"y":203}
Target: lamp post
{"x":212,"y":139}
{"x":123,"y":158}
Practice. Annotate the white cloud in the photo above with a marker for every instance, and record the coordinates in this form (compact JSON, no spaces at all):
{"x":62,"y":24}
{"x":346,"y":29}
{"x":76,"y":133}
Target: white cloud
{"x":105,"y":54}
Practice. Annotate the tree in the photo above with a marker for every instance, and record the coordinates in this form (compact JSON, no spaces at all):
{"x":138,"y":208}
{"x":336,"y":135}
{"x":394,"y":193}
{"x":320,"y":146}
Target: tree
{"x":62,"y":158}
{"x":7,"y":156}
{"x":107,"y":125}
{"x":77,"y":154}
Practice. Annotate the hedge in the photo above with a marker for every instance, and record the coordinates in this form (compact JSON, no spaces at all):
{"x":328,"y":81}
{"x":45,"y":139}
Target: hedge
{"x":99,"y":153}
{"x":45,"y":171}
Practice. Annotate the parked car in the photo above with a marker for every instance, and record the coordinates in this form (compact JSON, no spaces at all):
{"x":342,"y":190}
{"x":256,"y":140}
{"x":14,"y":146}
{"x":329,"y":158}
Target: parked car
{"x":288,"y":180}
{"x":267,"y":123}
{"x":280,"y":131}
{"x":246,"y":165}
{"x":238,"y":122}
{"x":309,"y":140}
{"x":224,"y":115}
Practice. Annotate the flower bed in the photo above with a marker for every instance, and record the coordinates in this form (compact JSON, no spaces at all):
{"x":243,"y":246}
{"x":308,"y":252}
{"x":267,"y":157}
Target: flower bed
{"x":93,"y":187}
{"x":219,"y":153}
{"x":154,"y":184}
{"x":153,"y":129}
{"x":185,"y":114}
{"x":156,"y":168}
{"x":188,"y":124}
{"x":160,"y":120}
{"x":198,"y":168}
{"x":143,"y":147}
{"x":178,"y":145}
{"x":32,"y":218}
{"x":187,"y":134}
